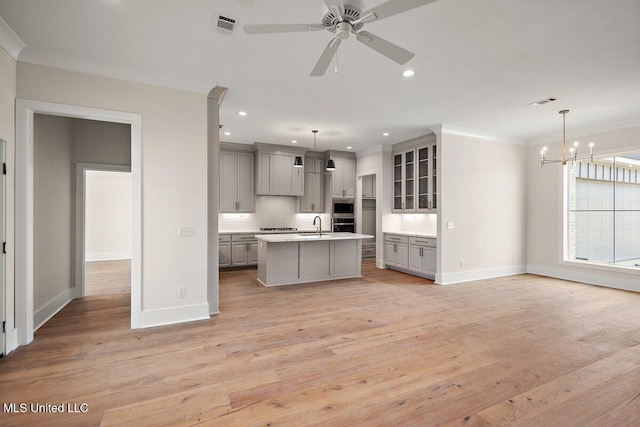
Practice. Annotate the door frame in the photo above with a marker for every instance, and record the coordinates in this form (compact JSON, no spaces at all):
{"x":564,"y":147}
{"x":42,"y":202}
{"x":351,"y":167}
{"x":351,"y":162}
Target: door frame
{"x":3,"y":241}
{"x":24,"y":243}
{"x":81,"y":188}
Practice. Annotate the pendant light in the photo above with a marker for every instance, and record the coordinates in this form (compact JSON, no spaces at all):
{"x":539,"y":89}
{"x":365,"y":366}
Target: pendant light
{"x":573,"y":151}
{"x":297,"y":162}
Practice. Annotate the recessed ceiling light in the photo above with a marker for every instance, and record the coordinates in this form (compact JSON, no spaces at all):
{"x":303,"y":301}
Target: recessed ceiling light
{"x":294,"y":142}
{"x":349,"y":148}
{"x":408,"y":73}
{"x":385,"y":134}
{"x":228,"y":133}
{"x":242,"y":113}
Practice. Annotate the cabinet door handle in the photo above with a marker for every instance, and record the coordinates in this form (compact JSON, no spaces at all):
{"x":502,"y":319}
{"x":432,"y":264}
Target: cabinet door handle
{"x":237,"y":205}
{"x":395,"y":248}
{"x":313,"y":206}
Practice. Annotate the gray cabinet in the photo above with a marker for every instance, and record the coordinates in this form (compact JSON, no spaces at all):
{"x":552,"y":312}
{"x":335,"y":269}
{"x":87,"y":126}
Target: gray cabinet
{"x":396,"y":251}
{"x":224,"y":251}
{"x":343,"y":179}
{"x":236,"y":181}
{"x":415,"y":170}
{"x":244,"y":250}
{"x":276,"y":176}
{"x":369,"y":187}
{"x":412,"y":254}
{"x":237,"y":250}
{"x":313,"y":199}
{"x":422,"y":256}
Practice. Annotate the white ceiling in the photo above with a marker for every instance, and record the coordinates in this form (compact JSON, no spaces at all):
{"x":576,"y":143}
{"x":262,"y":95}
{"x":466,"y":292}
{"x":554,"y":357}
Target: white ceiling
{"x":478,"y":64}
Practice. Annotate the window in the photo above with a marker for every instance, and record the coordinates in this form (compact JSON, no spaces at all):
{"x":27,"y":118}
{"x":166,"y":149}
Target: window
{"x":604,"y":211}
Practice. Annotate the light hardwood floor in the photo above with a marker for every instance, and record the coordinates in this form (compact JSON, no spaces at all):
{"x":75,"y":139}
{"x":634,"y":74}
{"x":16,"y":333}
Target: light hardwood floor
{"x":388,"y":349}
{"x":107,"y":277}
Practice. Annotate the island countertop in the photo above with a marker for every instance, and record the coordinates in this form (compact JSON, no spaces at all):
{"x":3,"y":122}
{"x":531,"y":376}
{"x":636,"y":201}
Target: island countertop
{"x":276,"y":238}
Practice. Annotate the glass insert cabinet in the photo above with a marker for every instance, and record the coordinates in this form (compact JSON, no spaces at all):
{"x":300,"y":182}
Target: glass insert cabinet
{"x":415,"y":169}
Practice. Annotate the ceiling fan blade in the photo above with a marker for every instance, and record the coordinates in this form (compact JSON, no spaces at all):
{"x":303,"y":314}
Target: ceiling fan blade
{"x":388,"y":49}
{"x":325,"y":58}
{"x":281,"y":28}
{"x":336,"y":6}
{"x":390,"y":8}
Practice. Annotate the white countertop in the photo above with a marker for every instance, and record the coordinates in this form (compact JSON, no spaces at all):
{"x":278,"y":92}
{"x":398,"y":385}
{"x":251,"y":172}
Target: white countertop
{"x":401,"y":233}
{"x":275,"y":238}
{"x":272,"y":232}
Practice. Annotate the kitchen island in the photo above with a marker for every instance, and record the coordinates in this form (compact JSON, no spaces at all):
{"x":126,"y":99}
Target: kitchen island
{"x":290,"y":259}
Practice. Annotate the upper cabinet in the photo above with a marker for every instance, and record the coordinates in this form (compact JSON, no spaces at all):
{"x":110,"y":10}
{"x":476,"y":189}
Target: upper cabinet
{"x":369,"y":187}
{"x":415,"y":169}
{"x":313,"y":199}
{"x":236,"y":181}
{"x":275,"y":174}
{"x":343,"y":179}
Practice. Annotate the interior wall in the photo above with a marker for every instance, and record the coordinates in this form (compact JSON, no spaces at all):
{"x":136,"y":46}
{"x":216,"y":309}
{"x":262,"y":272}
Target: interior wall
{"x":101,"y":142}
{"x":174,"y":180}
{"x":545,"y":213}
{"x":482,"y":195}
{"x":7,"y":132}
{"x":53,"y":226}
{"x":108,"y":210}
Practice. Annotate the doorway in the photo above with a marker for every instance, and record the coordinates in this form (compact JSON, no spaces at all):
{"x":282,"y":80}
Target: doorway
{"x":103,"y":229}
{"x":24,"y":206}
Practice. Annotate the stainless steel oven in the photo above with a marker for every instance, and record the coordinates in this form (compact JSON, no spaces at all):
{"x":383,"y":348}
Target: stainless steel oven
{"x":343,"y":225}
{"x":343,"y":207}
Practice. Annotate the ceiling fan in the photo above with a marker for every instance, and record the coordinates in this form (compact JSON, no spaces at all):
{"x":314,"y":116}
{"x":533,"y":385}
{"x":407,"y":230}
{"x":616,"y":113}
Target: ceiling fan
{"x":343,"y":19}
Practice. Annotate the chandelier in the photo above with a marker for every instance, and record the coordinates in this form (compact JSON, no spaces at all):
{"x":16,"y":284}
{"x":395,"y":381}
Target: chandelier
{"x":297,"y":162}
{"x":573,"y":151}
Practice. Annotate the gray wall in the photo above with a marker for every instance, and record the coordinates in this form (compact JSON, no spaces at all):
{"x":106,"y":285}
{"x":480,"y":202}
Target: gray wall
{"x":59,"y":143}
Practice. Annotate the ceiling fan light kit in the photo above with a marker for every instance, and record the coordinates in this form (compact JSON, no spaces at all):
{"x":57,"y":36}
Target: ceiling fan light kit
{"x":343,"y":19}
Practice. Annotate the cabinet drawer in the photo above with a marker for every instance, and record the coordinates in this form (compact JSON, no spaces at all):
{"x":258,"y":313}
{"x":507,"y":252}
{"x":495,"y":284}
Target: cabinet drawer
{"x":224,"y":238}
{"x":423,"y":241}
{"x":396,"y":238}
{"x":242,"y":237}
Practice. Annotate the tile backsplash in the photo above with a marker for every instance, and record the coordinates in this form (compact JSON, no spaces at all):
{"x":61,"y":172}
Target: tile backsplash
{"x":271,"y":211}
{"x":411,"y":223}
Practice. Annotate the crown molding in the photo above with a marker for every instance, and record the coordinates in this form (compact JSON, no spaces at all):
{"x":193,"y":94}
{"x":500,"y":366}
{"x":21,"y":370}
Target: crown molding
{"x":9,"y":40}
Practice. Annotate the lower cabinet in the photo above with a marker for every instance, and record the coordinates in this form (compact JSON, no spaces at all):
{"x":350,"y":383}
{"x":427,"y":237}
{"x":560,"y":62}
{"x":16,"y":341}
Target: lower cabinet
{"x":422,"y":255}
{"x":396,"y":251}
{"x":411,"y":254}
{"x":224,"y":250}
{"x":237,"y":250}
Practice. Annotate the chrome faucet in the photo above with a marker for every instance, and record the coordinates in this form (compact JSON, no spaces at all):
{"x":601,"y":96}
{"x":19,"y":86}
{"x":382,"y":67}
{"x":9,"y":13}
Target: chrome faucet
{"x":319,"y":224}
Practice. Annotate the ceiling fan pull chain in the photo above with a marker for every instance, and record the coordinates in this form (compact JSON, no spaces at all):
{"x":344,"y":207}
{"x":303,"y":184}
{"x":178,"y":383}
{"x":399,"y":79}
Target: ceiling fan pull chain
{"x":336,"y":69}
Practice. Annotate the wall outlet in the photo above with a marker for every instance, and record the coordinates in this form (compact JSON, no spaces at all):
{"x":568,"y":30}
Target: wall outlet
{"x":461,"y":263}
{"x":182,"y":292}
{"x":450,"y":225}
{"x":185,"y":231}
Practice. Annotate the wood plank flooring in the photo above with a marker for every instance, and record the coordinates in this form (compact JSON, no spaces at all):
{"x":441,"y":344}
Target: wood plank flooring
{"x":387,"y":349}
{"x":107,"y":277}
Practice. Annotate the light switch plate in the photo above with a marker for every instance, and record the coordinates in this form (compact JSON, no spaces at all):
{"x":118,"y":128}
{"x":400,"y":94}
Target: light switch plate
{"x":450,"y":225}
{"x":185,"y":231}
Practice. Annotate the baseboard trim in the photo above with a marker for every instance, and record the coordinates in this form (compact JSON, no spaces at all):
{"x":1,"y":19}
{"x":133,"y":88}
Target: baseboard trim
{"x":11,"y":341}
{"x":485,"y":273}
{"x":589,"y":276}
{"x":107,"y":256}
{"x":170,"y":316}
{"x":50,"y":309}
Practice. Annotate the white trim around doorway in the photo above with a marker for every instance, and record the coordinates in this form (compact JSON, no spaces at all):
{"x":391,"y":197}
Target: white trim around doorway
{"x":24,"y":244}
